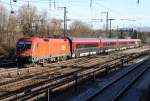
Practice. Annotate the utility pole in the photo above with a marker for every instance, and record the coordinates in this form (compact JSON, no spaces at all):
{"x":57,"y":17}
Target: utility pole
{"x":110,"y":30}
{"x":54,"y":4}
{"x":65,"y":20}
{"x":50,"y":3}
{"x":110,"y":34}
{"x":106,"y":23}
{"x":65,"y":24}
{"x":28,"y":4}
{"x":138,"y":1}
{"x":91,"y":2}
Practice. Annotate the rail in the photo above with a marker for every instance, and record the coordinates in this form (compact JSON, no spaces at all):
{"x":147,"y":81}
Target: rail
{"x":72,"y":78}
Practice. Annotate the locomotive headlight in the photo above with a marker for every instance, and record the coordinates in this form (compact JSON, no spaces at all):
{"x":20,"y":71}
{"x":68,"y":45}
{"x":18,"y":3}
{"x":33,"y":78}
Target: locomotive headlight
{"x":16,"y":59}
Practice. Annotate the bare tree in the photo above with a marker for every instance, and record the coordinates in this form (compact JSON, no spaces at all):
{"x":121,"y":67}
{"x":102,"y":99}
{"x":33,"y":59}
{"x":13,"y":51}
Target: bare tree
{"x":12,"y":29}
{"x":80,"y":27}
{"x":27,"y":16}
{"x":3,"y":23}
{"x":55,"y":27}
{"x":41,"y":26}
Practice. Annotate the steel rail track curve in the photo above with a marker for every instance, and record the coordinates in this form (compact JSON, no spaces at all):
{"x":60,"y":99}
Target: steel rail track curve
{"x":145,"y":65}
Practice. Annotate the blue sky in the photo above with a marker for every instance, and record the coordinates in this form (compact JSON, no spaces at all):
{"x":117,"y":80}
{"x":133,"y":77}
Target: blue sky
{"x":81,"y":10}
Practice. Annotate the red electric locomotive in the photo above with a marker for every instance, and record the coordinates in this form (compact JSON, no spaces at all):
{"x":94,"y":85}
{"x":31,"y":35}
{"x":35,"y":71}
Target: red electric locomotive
{"x":40,"y":49}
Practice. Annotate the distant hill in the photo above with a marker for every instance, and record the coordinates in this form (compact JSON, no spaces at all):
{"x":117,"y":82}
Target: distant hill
{"x":143,"y":29}
{"x":138,"y":29}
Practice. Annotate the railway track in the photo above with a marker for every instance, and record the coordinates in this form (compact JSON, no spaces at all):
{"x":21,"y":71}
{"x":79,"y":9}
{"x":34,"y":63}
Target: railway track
{"x":7,"y":63}
{"x":44,"y":82}
{"x":53,"y":69}
{"x":26,"y":73}
{"x":80,"y":75}
{"x":20,"y":79}
{"x":114,"y":90}
{"x":57,"y":71}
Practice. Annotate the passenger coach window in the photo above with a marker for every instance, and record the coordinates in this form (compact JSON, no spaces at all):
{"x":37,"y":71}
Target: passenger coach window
{"x":106,"y":44}
{"x":86,"y":45}
{"x":112,"y":44}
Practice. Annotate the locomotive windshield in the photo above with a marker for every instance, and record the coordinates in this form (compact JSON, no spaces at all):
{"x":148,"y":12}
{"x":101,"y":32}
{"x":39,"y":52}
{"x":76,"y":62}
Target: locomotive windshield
{"x":23,"y":45}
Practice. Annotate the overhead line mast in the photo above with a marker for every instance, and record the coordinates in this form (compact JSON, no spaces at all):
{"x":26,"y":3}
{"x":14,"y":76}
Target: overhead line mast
{"x":138,"y":1}
{"x":91,"y":2}
{"x":50,"y":3}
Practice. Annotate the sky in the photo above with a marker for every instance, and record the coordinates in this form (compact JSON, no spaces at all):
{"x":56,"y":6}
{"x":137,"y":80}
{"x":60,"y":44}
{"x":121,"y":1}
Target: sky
{"x":135,"y":14}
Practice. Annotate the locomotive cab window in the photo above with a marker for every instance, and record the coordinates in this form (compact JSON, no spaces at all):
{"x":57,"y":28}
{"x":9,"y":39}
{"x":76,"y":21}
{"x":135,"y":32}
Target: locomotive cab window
{"x":23,"y":45}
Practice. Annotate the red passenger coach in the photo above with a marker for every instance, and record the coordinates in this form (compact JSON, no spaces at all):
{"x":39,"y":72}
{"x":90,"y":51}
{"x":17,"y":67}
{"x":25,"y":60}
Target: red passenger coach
{"x":108,"y":45}
{"x":137,"y":43}
{"x":84,"y":46}
{"x":123,"y":44}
